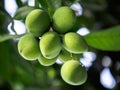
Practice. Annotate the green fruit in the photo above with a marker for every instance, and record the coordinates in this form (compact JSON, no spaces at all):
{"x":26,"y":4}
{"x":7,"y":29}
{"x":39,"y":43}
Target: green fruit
{"x":73,"y":72}
{"x":74,"y":43}
{"x":46,"y":62}
{"x":63,"y":19}
{"x":38,"y":22}
{"x":28,"y":47}
{"x":65,"y":56}
{"x":50,"y":45}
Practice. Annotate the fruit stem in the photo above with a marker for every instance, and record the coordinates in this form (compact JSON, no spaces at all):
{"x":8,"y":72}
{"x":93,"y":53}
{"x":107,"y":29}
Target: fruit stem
{"x":7,"y":37}
{"x":71,"y":55}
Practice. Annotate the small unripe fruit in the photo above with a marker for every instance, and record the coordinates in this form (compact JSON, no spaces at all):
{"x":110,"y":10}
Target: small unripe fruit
{"x":63,"y":19}
{"x":65,"y":56}
{"x":50,"y":45}
{"x":73,"y":72}
{"x":28,"y":47}
{"x":37,"y":22}
{"x":74,"y":43}
{"x":46,"y":62}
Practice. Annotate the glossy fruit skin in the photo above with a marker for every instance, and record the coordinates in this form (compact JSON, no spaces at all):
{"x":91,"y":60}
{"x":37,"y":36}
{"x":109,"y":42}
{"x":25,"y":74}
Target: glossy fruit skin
{"x":73,"y":73}
{"x":46,"y":62}
{"x":28,"y":47}
{"x":63,"y":19}
{"x":65,"y":56}
{"x":74,"y":43}
{"x":38,"y":22}
{"x":50,"y":45}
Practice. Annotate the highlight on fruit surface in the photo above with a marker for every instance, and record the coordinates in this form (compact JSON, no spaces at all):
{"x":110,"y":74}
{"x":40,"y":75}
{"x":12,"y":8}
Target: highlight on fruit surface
{"x":37,"y":22}
{"x":50,"y":45}
{"x":65,"y":56}
{"x":46,"y":62}
{"x":74,"y":43}
{"x":73,"y":72}
{"x":28,"y":47}
{"x":63,"y":19}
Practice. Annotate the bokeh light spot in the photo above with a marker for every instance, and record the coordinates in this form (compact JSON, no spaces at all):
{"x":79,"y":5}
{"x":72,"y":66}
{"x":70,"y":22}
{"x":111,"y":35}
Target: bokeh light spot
{"x":106,"y":79}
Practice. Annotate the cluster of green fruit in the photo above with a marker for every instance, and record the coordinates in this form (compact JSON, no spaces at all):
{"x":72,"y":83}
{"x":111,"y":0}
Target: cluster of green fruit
{"x":52,"y":38}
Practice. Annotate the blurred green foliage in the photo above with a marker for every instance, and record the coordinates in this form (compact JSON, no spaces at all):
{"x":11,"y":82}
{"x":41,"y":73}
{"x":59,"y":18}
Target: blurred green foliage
{"x":19,"y":74}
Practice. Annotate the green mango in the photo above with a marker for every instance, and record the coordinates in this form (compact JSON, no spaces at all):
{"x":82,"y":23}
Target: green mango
{"x":73,"y":72}
{"x":46,"y":62}
{"x":65,"y":56}
{"x":38,"y":22}
{"x":28,"y":47}
{"x":74,"y":43}
{"x":63,"y":19}
{"x":50,"y":45}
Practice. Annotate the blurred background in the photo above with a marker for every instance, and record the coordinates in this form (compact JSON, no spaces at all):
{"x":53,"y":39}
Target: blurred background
{"x":18,"y":74}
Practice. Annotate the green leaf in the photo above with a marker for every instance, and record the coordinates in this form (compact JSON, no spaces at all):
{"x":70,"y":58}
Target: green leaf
{"x":107,"y":39}
{"x":5,"y":19}
{"x":7,"y":37}
{"x":22,"y":12}
{"x":44,"y":4}
{"x":5,"y":59}
{"x":19,"y":3}
{"x":53,"y":5}
{"x":50,"y":5}
{"x":69,"y":2}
